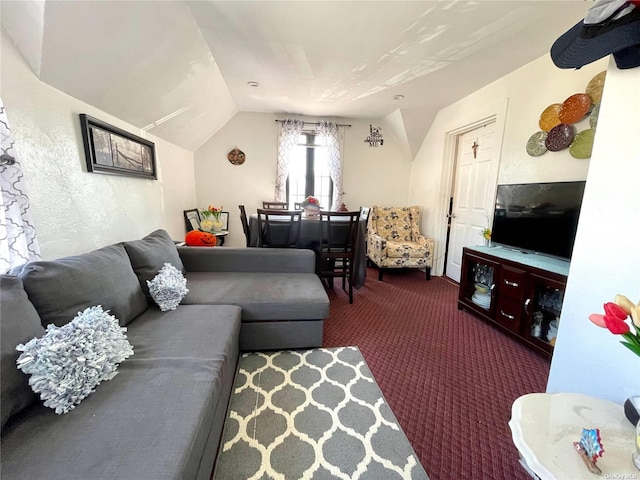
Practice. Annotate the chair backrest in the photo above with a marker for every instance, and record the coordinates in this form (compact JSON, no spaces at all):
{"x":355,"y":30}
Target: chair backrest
{"x":338,"y":233}
{"x":274,"y":205}
{"x":297,"y":205}
{"x":395,"y":223}
{"x":245,"y":223}
{"x":364,"y":213}
{"x":279,"y":228}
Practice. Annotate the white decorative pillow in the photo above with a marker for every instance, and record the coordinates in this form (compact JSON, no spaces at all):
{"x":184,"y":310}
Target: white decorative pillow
{"x":168,"y":287}
{"x":69,"y":362}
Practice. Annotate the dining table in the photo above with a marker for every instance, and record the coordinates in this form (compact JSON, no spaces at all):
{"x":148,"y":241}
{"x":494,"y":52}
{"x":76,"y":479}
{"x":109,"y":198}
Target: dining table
{"x":310,"y":237}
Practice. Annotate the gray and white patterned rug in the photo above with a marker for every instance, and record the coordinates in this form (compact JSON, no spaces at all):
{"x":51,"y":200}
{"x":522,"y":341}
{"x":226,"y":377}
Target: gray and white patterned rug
{"x":312,"y":414}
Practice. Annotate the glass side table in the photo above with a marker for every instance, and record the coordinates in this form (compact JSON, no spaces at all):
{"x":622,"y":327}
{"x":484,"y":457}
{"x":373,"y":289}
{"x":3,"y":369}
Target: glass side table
{"x":545,"y":425}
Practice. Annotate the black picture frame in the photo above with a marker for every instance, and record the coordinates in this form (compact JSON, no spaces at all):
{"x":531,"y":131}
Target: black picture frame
{"x":111,"y":150}
{"x":224,"y":218}
{"x":192,"y":219}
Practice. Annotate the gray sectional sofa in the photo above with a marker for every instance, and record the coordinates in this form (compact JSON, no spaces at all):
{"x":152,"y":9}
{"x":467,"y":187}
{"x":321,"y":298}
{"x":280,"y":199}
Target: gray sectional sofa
{"x":162,"y":415}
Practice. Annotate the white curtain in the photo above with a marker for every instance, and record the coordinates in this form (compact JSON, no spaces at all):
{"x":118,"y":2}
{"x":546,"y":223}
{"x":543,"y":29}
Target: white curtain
{"x":328,"y":136}
{"x":289,"y":135}
{"x":18,"y":243}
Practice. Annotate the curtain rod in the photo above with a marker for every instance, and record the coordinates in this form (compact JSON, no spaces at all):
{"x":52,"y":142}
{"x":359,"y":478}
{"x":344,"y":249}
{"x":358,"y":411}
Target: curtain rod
{"x":315,"y":123}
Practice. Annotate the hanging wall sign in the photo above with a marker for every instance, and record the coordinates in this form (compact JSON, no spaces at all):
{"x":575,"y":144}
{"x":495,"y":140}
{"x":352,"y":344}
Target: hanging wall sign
{"x":236,"y":156}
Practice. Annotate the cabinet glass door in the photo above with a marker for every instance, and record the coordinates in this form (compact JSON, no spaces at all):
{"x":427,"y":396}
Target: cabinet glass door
{"x":543,"y":307}
{"x":479,"y":283}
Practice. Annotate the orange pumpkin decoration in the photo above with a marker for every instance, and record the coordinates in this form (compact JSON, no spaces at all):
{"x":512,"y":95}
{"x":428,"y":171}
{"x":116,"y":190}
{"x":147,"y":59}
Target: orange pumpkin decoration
{"x":197,"y":238}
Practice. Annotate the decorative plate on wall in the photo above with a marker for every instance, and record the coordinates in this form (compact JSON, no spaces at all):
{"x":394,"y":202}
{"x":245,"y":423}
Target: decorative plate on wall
{"x":574,"y":108}
{"x":582,"y":144}
{"x":236,"y":156}
{"x":549,"y":117}
{"x":593,"y":118}
{"x":595,"y":87}
{"x":560,"y":137}
{"x":536,"y":145}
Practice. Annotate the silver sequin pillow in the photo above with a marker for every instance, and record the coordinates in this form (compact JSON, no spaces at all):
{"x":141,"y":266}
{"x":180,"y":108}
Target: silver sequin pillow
{"x":168,"y":287}
{"x":69,"y":362}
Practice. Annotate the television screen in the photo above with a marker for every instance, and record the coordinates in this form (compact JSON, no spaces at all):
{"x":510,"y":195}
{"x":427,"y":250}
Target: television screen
{"x":539,"y":217}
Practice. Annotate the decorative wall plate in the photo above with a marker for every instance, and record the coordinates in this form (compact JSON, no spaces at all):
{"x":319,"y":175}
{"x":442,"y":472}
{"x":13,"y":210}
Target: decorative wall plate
{"x":549,"y":117}
{"x":582,"y":144}
{"x":574,"y":108}
{"x":595,"y":87}
{"x":535,"y":144}
{"x":560,"y":137}
{"x":593,"y":117}
{"x":236,"y":156}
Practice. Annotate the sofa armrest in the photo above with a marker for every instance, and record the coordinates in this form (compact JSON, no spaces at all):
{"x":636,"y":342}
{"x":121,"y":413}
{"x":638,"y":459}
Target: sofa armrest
{"x":226,"y":259}
{"x":428,"y":242}
{"x":376,"y":247}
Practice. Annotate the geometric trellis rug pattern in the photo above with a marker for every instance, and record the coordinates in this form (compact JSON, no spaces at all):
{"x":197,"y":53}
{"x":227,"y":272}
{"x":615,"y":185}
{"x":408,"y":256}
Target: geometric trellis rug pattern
{"x":312,"y":414}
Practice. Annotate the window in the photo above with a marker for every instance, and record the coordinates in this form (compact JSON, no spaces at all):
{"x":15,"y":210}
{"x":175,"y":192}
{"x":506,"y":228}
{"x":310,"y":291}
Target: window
{"x":309,"y":172}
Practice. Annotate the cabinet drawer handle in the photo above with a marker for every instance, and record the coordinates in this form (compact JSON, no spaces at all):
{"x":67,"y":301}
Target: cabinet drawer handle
{"x":510,"y":317}
{"x":511,"y":284}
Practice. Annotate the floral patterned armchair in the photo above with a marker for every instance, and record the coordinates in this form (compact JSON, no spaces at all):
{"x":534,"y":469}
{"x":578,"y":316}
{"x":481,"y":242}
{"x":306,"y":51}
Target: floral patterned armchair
{"x":394,"y":240}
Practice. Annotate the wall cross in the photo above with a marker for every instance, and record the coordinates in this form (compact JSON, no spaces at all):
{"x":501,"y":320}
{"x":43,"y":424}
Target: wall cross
{"x":474,"y":147}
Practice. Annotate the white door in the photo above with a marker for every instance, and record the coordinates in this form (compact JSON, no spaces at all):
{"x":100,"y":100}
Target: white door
{"x":474,"y":186}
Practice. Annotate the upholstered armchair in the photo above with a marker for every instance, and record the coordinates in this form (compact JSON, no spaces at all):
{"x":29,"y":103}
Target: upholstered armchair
{"x":394,"y":240}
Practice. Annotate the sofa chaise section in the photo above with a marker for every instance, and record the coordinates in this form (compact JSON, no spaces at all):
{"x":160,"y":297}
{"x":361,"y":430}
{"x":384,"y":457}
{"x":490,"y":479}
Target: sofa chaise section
{"x":283,"y":301}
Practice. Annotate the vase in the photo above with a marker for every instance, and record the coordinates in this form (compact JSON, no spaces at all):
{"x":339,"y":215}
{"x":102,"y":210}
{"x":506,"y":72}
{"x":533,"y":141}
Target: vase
{"x":211,"y":225}
{"x":487,"y":242}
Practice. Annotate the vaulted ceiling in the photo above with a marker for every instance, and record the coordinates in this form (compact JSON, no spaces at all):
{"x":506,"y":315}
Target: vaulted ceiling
{"x":180,"y":70}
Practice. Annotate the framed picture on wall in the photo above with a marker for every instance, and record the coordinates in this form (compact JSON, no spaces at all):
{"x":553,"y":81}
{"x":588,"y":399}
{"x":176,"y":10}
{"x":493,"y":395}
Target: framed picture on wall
{"x":192,"y":219}
{"x":109,"y":149}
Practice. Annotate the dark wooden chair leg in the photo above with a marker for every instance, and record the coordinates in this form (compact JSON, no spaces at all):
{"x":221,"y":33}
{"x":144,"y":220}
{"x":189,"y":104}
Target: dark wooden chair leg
{"x":380,"y":274}
{"x":428,"y":272}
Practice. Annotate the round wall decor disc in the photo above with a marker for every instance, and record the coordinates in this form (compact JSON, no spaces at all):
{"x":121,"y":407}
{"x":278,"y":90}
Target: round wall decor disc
{"x":236,"y":157}
{"x":595,"y":87}
{"x":560,"y":137}
{"x":535,"y":144}
{"x":593,"y":117}
{"x":574,"y":108}
{"x":549,"y":117}
{"x":582,"y":144}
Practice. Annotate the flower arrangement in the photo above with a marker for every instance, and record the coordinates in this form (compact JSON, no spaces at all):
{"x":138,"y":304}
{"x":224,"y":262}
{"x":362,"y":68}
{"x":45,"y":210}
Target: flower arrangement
{"x":311,"y":201}
{"x":615,"y":320}
{"x":211,"y":219}
{"x":212,"y":212}
{"x":486,"y":233}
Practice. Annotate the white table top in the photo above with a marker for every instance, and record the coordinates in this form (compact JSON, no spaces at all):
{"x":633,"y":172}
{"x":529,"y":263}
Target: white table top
{"x":544,"y":427}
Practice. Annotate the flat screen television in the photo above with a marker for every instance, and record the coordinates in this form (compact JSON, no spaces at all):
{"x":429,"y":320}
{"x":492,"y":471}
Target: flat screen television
{"x":538,"y":217}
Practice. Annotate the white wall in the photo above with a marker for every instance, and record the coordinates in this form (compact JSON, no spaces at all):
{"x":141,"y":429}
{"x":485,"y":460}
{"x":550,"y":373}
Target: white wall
{"x":527,"y":92}
{"x":606,"y":256}
{"x":371,"y":176}
{"x":75,"y":211}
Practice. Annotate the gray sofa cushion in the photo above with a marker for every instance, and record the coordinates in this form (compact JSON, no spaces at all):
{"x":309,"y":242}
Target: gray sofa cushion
{"x":262,"y":296}
{"x":152,"y":420}
{"x":60,"y":289}
{"x":20,"y":323}
{"x":149,"y":254}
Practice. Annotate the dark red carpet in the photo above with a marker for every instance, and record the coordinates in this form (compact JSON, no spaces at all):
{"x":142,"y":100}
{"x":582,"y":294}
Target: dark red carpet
{"x":449,"y":377}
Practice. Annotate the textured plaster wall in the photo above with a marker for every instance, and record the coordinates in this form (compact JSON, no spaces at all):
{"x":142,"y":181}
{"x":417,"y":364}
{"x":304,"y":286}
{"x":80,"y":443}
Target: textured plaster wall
{"x":75,"y":211}
{"x":370,"y":175}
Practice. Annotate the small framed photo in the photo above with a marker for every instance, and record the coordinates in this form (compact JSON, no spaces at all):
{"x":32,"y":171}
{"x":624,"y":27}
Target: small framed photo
{"x":109,"y":149}
{"x":192,"y":219}
{"x":224,"y":218}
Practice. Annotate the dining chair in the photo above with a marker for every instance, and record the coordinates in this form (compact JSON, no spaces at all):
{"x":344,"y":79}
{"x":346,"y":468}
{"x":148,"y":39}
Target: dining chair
{"x":279,"y":228}
{"x":339,"y":231}
{"x":245,"y":224}
{"x":297,"y":205}
{"x":274,"y":205}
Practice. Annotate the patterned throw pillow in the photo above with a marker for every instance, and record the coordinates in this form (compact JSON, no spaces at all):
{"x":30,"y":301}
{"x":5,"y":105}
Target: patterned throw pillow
{"x":69,"y":362}
{"x":168,"y":287}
